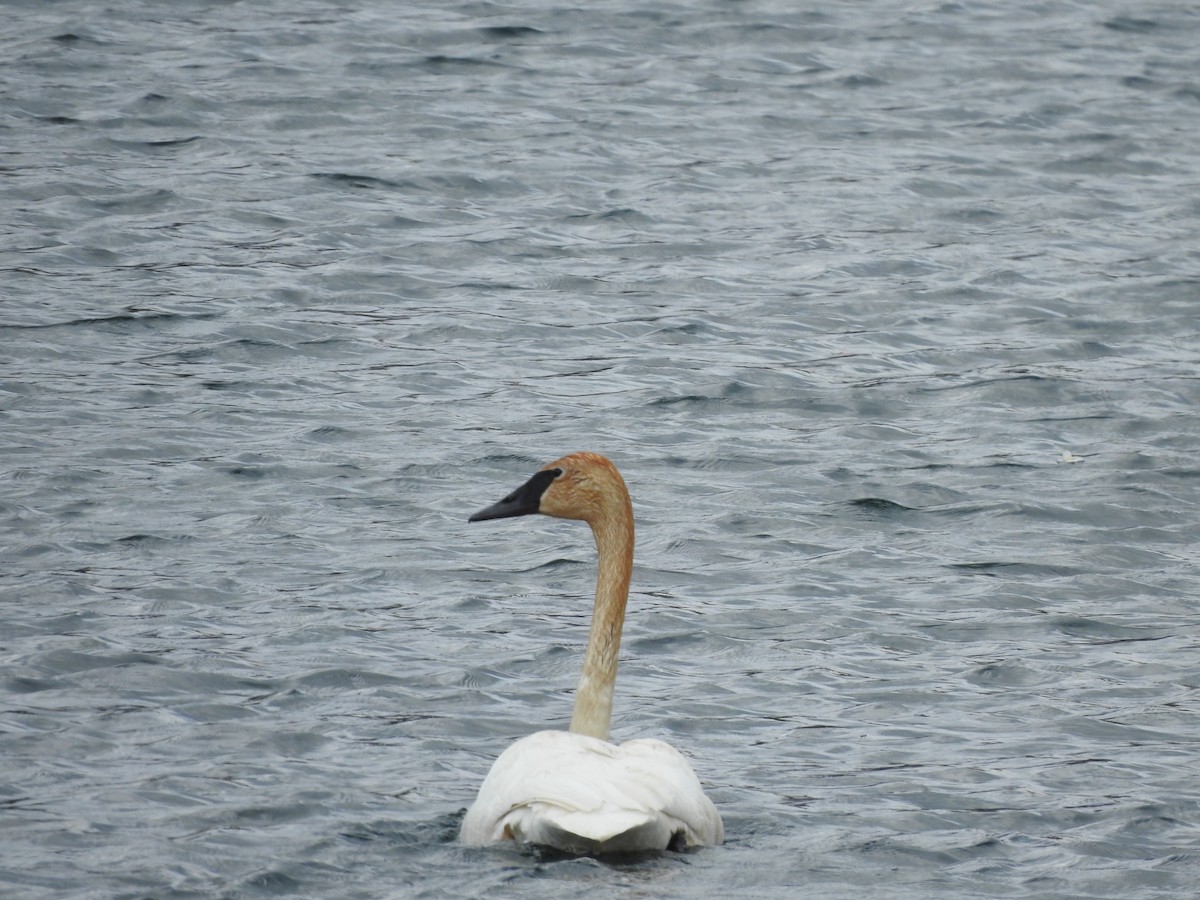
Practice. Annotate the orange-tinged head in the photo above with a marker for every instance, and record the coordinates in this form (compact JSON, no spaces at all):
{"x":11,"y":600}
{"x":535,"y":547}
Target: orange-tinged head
{"x":579,"y":486}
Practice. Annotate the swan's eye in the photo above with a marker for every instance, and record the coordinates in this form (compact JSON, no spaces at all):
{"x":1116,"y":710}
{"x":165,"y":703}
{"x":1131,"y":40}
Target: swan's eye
{"x":558,"y":473}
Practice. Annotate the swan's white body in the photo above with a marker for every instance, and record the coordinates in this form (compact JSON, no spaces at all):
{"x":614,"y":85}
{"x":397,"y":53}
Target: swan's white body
{"x":573,"y":790}
{"x":583,"y":795}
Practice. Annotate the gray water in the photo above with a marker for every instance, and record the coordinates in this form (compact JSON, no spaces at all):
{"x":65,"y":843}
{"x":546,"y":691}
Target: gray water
{"x":291,"y":289}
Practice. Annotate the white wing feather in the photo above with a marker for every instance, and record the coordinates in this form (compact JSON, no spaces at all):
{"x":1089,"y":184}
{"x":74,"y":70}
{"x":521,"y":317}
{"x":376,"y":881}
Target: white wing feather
{"x":584,"y":795}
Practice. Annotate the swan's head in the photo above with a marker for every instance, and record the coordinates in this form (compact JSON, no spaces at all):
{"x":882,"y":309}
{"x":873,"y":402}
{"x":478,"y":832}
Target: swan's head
{"x":578,"y":486}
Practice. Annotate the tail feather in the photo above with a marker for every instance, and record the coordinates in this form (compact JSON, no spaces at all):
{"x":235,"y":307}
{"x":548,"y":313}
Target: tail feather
{"x":614,"y":831}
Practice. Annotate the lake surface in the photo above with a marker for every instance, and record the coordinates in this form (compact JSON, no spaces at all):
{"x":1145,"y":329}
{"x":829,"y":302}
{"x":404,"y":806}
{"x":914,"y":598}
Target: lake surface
{"x":889,"y":313}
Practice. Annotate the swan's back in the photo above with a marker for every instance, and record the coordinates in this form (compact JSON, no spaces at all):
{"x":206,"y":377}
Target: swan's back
{"x":584,"y":795}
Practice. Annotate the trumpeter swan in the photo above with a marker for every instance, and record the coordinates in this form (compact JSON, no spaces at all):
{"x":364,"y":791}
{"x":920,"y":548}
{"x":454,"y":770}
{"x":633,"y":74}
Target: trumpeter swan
{"x":573,"y":790}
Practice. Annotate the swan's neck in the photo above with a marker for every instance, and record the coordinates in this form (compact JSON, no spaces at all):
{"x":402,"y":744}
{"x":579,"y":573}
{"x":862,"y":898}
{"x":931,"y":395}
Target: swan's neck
{"x":613,"y":530}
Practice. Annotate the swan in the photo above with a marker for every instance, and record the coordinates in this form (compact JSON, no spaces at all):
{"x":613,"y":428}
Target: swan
{"x":573,"y":790}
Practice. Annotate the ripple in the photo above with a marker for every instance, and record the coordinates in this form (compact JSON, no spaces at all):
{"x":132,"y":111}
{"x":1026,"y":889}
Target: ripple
{"x":292,"y":293}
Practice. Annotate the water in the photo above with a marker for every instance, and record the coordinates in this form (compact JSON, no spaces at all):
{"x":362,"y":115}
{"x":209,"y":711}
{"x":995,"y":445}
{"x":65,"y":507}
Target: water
{"x":290,"y":289}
